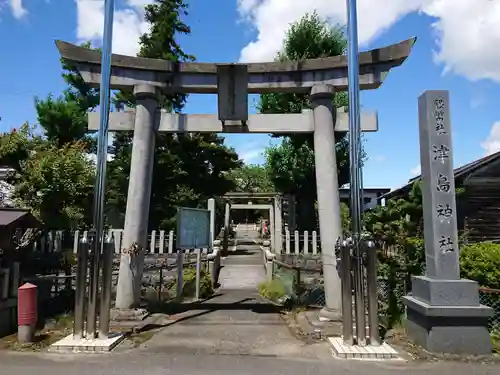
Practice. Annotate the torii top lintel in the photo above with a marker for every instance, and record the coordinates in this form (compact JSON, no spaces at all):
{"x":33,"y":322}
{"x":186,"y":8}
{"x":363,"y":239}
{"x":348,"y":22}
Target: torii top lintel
{"x":194,"y":77}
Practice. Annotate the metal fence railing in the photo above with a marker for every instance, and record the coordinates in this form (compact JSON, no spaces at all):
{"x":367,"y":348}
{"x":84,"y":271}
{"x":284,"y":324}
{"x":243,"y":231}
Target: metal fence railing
{"x":305,"y":286}
{"x":302,"y":283}
{"x":491,"y":298}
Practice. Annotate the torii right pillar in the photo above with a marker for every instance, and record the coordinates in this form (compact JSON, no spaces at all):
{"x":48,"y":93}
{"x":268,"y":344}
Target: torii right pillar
{"x":330,"y":226}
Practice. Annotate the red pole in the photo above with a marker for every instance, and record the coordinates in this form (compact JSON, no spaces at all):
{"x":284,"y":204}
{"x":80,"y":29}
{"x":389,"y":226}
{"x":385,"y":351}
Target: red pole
{"x":27,"y":312}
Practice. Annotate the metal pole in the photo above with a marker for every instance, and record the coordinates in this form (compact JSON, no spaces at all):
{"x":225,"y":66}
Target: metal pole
{"x":93,"y":288}
{"x":356,"y":183}
{"x":107,"y":274}
{"x":102,"y":148}
{"x":227,"y":215}
{"x":198,"y":272}
{"x":345,"y":262}
{"x":80,"y":288}
{"x":180,"y":281}
{"x":371,"y":275}
{"x":161,"y":283}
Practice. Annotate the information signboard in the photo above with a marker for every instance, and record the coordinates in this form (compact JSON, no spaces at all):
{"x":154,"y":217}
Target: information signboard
{"x":193,"y":228}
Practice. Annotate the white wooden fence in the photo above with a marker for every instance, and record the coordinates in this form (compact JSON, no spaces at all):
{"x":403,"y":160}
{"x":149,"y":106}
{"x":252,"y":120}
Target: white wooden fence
{"x":163,"y":242}
{"x":306,"y":243}
{"x":159,"y":241}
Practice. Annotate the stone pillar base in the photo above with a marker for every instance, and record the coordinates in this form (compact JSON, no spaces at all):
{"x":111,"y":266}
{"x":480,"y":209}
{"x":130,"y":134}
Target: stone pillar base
{"x":120,"y":315}
{"x":329,"y":315}
{"x":445,"y":316}
{"x":26,"y":333}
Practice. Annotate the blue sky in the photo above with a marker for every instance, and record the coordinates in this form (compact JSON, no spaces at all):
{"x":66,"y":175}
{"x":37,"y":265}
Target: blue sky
{"x":457,"y":50}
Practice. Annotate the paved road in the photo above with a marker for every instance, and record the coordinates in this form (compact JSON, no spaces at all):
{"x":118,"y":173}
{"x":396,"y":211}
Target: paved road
{"x":234,"y":323}
{"x":144,"y":363}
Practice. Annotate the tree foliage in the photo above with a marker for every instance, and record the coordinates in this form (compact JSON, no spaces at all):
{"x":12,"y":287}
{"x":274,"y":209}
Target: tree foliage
{"x":63,"y":119}
{"x":481,"y":262}
{"x":398,"y":219}
{"x":52,"y":173}
{"x":291,"y":164}
{"x":188,"y":168}
{"x":252,"y":178}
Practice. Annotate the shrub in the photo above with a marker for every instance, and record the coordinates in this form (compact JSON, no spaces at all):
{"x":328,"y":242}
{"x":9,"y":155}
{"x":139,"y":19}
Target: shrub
{"x":394,"y":273}
{"x":481,"y":262}
{"x":272,"y":290}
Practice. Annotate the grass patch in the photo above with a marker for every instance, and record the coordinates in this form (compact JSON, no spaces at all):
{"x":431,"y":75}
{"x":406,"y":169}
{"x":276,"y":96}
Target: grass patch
{"x":495,"y":340}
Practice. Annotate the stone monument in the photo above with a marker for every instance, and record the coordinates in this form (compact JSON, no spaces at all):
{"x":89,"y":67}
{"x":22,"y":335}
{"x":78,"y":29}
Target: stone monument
{"x":443,"y":311}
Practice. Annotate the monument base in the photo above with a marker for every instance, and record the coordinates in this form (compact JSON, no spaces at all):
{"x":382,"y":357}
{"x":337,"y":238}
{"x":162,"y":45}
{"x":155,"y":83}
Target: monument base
{"x":445,"y":316}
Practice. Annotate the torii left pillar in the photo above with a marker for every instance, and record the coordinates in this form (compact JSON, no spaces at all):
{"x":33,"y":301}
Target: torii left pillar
{"x":135,"y":233}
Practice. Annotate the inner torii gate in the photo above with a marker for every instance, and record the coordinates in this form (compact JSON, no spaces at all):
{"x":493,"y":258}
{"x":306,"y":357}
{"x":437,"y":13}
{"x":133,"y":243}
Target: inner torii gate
{"x":271,"y":202}
{"x":232,"y":82}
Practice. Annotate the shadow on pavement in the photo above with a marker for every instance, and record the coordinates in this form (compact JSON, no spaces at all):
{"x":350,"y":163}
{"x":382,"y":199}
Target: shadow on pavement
{"x":207,"y":307}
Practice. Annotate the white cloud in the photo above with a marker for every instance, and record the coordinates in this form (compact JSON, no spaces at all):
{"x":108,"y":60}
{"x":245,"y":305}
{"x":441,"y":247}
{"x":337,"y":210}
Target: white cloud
{"x":466,"y":31}
{"x":250,"y":156}
{"x":128,"y":24}
{"x":416,"y":171}
{"x":17,"y":8}
{"x":252,"y":152}
{"x":492,"y":143}
{"x":380,"y":158}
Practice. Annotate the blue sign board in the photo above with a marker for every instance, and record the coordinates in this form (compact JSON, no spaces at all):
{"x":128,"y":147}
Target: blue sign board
{"x":193,"y":228}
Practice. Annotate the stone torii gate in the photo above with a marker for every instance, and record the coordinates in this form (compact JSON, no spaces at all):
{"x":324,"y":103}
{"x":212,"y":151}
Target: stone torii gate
{"x":273,"y":204}
{"x":232,"y":82}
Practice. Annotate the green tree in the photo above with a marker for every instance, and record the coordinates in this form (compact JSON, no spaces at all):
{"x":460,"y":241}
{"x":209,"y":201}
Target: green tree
{"x":291,"y":164}
{"x":252,"y":178}
{"x":54,"y":182}
{"x":52,"y":172}
{"x":188,"y":168}
{"x":63,"y":119}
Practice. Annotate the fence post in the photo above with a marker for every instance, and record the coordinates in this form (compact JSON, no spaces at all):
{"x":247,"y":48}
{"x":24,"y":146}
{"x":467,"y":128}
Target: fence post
{"x":162,"y":242}
{"x":297,"y":242}
{"x":107,"y":274}
{"x":198,"y":272}
{"x":80,"y":288}
{"x":180,"y":281}
{"x":76,"y":241}
{"x":152,"y":245}
{"x":267,"y":263}
{"x":287,"y":241}
{"x":171,"y":242}
{"x":216,"y":263}
{"x":160,"y":287}
{"x":314,"y":243}
{"x":371,"y":276}
{"x":297,"y":283}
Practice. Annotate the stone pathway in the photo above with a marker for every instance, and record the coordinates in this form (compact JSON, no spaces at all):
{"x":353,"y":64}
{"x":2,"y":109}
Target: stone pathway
{"x":243,"y":269}
{"x":237,"y":321}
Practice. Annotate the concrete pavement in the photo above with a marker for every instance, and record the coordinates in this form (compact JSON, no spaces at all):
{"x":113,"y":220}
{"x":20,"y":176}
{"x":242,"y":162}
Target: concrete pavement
{"x":143,"y":362}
